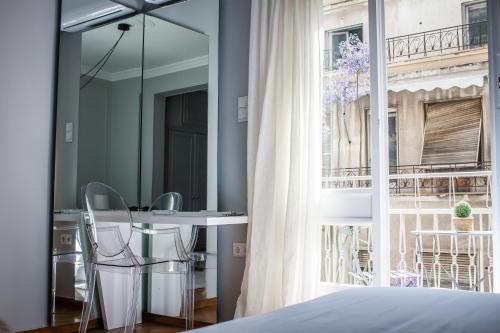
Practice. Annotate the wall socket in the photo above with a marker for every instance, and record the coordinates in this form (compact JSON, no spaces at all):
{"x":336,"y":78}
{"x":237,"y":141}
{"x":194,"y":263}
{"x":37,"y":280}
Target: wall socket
{"x":239,"y":249}
{"x":65,"y":239}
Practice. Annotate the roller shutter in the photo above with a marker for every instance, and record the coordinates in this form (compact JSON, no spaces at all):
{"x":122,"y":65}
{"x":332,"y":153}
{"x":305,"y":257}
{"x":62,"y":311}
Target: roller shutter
{"x":452,"y":131}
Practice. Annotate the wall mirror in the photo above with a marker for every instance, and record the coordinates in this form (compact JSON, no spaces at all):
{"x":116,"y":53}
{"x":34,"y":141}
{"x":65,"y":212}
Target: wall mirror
{"x":174,"y":155}
{"x":137,"y":110}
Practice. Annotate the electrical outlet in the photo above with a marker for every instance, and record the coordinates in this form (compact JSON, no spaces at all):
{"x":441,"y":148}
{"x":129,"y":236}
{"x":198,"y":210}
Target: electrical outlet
{"x":239,"y":249}
{"x":65,"y":239}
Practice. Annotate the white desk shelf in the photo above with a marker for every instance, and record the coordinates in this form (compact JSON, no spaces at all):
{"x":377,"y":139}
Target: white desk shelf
{"x":192,"y":218}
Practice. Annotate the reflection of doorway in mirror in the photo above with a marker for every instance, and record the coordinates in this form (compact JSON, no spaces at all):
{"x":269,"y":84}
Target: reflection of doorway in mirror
{"x":186,"y":172}
{"x":185,"y":168}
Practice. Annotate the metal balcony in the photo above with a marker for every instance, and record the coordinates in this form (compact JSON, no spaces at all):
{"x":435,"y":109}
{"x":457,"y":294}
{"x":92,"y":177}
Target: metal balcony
{"x":428,"y":43}
{"x":430,"y":179}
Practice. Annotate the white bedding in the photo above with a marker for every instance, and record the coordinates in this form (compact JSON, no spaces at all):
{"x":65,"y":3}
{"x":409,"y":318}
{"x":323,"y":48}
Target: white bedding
{"x":378,"y":310}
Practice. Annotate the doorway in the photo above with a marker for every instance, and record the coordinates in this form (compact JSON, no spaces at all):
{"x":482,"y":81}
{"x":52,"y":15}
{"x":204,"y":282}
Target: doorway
{"x":185,"y":166}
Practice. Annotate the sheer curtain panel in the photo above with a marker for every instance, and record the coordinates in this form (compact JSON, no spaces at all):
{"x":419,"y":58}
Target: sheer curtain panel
{"x":284,"y":155}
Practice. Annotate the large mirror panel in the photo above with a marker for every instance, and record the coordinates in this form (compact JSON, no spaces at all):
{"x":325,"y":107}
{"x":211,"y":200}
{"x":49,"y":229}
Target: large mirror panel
{"x":110,"y":106}
{"x":137,"y":109}
{"x":99,"y":89}
{"x":174,"y":157}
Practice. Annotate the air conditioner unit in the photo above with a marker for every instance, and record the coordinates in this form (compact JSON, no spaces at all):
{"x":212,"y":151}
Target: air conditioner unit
{"x":80,"y":15}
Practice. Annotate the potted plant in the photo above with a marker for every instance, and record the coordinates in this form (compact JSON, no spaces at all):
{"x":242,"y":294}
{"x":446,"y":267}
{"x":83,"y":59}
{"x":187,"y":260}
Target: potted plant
{"x":462,"y":219}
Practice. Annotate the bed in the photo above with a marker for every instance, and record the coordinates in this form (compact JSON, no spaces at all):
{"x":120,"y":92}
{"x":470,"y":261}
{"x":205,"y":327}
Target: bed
{"x":378,"y":310}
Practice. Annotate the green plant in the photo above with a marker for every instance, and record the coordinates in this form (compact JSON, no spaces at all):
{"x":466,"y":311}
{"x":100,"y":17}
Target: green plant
{"x":462,"y":209}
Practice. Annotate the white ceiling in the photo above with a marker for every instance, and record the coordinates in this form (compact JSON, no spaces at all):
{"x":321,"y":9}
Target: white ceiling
{"x":168,"y":47}
{"x":165,"y":45}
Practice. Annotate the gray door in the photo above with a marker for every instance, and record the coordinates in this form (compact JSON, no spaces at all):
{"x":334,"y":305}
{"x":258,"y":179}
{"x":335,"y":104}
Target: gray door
{"x":186,"y":136}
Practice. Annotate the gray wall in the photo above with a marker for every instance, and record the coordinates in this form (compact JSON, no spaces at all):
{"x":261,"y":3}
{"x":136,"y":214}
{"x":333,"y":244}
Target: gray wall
{"x":92,"y":133}
{"x":28,"y":32}
{"x":122,"y":154}
{"x":107,"y":139}
{"x":123,"y":134}
{"x":67,"y":106}
{"x":234,"y":35}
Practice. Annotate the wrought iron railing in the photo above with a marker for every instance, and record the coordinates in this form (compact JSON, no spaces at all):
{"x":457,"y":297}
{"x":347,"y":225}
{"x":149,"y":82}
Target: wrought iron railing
{"x":443,"y":167}
{"x":451,"y":39}
{"x":418,"y":45}
{"x":427,"y":253}
{"x":429,"y":179}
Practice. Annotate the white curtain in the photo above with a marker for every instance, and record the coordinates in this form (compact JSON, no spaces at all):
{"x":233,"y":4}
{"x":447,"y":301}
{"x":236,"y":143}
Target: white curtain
{"x":284,"y":155}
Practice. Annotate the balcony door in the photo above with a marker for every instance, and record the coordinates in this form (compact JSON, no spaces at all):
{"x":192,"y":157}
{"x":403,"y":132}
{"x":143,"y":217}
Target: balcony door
{"x":407,"y":135}
{"x":347,"y":215}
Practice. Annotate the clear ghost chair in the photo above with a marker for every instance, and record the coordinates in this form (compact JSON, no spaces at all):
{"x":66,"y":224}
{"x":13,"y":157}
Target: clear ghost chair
{"x":173,"y":201}
{"x":110,"y":227}
{"x":202,"y":260}
{"x":167,"y":201}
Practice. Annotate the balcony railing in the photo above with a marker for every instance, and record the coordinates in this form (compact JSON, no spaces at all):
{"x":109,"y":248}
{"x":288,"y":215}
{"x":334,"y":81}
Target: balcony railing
{"x":431,"y":179}
{"x":427,"y":253}
{"x":439,"y":41}
{"x":428,"y":43}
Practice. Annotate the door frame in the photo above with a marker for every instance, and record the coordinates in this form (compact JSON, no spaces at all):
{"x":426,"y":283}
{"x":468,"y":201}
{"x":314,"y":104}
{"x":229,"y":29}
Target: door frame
{"x":373,"y":203}
{"x":493,"y":11}
{"x":159,"y":138}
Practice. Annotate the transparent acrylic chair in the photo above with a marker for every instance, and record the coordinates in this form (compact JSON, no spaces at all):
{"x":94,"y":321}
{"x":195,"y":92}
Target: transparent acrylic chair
{"x":203,"y":261}
{"x":172,"y":201}
{"x":167,"y":201}
{"x":110,"y":227}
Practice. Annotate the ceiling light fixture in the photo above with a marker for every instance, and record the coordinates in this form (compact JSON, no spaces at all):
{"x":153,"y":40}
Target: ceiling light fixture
{"x":123,"y":27}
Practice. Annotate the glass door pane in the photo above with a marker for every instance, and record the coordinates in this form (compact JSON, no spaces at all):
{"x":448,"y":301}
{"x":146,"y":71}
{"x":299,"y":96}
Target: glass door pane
{"x":439,"y":145}
{"x":346,"y":246}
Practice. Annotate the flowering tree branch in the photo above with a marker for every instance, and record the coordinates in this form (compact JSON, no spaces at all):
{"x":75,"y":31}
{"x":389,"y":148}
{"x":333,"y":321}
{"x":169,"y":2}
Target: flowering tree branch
{"x":350,"y":80}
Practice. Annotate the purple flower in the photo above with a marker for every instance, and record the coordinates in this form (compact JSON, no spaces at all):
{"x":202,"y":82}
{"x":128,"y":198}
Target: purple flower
{"x":343,"y":89}
{"x":354,"y":56}
{"x":350,"y":80}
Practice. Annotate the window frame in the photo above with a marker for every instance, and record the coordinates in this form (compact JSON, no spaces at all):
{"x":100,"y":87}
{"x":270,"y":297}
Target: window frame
{"x":471,"y":4}
{"x":338,"y":31}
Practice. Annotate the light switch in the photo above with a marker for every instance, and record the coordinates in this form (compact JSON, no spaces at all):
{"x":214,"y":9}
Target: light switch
{"x":243,"y":102}
{"x":242,"y":109}
{"x":69,"y":133}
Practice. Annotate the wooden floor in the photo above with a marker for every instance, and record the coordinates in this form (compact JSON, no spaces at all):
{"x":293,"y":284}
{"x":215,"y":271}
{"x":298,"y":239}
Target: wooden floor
{"x":143,"y":328}
{"x":67,"y":317}
{"x":67,"y":312}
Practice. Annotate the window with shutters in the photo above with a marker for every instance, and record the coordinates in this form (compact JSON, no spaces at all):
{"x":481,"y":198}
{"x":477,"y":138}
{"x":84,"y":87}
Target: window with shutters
{"x":452,"y":132}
